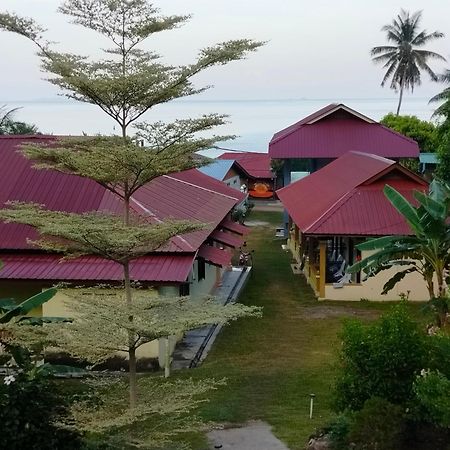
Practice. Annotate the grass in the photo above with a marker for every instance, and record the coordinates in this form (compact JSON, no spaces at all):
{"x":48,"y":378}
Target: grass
{"x":273,"y":364}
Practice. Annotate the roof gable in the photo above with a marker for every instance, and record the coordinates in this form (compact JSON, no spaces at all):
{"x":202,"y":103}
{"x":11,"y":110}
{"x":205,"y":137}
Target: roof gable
{"x":335,"y":130}
{"x":253,"y":164}
{"x":346,"y":197}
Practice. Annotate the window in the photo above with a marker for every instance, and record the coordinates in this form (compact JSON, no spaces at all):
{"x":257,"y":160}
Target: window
{"x":184,"y":289}
{"x":201,"y":269}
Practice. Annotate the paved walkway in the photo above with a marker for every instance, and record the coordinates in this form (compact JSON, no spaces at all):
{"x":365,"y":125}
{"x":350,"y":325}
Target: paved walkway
{"x":254,"y":436}
{"x":195,"y":345}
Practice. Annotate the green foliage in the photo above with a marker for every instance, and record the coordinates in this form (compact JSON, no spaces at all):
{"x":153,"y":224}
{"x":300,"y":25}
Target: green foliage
{"x":432,"y":390}
{"x":380,"y":360}
{"x":379,"y":425}
{"x":35,"y":416}
{"x":102,"y":325}
{"x":337,"y":431}
{"x":95,"y":233}
{"x":427,"y":251}
{"x":27,"y":305}
{"x":10,"y":126}
{"x":166,"y":410}
{"x":423,"y":132}
{"x":405,"y":59}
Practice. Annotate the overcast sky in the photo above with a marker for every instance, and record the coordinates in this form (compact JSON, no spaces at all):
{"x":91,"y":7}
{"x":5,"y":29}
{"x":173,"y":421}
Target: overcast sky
{"x":316,"y":49}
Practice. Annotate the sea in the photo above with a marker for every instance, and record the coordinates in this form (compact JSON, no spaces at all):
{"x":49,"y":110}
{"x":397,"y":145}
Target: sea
{"x":253,"y":122}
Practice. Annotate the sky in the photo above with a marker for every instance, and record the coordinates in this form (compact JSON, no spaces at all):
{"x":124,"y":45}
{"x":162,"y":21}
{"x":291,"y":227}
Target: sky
{"x":315,"y":49}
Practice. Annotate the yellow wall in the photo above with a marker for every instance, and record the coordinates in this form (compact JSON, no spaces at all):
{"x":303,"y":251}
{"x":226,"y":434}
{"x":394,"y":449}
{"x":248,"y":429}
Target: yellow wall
{"x":370,"y":289}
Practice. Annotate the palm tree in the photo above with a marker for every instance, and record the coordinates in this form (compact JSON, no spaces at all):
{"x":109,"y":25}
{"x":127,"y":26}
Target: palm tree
{"x":444,"y":96}
{"x":404,"y":60}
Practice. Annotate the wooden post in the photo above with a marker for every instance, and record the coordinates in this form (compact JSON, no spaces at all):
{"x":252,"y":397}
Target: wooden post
{"x":322,"y":267}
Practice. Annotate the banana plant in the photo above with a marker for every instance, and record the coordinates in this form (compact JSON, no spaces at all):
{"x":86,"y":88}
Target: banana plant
{"x":9,"y":310}
{"x":426,"y":250}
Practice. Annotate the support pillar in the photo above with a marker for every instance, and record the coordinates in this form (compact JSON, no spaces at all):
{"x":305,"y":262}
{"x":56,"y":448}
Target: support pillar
{"x":322,"y":267}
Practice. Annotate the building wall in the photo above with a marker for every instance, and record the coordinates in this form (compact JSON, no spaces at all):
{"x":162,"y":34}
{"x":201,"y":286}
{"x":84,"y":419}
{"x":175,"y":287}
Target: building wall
{"x":233,"y":179}
{"x":57,"y":307}
{"x":200,"y":288}
{"x":370,"y":289}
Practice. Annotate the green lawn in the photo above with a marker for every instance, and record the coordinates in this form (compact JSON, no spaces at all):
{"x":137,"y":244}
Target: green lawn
{"x":273,"y":364}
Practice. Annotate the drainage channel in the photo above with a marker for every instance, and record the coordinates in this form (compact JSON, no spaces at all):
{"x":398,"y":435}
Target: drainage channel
{"x":196,"y":360}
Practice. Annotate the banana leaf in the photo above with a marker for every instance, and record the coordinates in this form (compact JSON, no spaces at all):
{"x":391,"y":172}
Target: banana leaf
{"x":29,"y":304}
{"x":404,"y":208}
{"x":7,"y":304}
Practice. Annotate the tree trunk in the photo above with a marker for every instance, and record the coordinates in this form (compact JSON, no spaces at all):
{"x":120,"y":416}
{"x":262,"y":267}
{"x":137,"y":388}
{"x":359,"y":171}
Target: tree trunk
{"x":167,"y":358}
{"x":132,"y":377}
{"x":400,"y":99}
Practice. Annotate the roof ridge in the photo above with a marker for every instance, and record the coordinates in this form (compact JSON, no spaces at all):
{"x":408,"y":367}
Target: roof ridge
{"x":201,"y":187}
{"x":323,"y":219}
{"x":159,"y":220}
{"x":406,"y":138}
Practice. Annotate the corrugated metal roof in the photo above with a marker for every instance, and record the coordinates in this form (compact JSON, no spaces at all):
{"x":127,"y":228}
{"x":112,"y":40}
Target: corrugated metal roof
{"x":234,"y":226}
{"x":226,"y":238}
{"x":189,"y":195}
{"x":217,"y":169}
{"x":37,"y":266}
{"x":217,"y":256}
{"x":255,"y":165}
{"x":336,"y":130}
{"x":346,"y":197}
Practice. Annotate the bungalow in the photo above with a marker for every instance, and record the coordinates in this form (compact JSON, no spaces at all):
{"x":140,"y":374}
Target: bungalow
{"x":339,"y":206}
{"x":254,"y":170}
{"x":327,"y":134}
{"x":191,"y":264}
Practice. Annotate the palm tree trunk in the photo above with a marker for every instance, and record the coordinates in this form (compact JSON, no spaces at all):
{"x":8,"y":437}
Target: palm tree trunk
{"x":400,"y":99}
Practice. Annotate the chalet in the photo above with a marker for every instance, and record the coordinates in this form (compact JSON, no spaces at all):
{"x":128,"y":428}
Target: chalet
{"x":339,"y":206}
{"x":254,"y":170}
{"x":329,"y":133}
{"x":191,"y":264}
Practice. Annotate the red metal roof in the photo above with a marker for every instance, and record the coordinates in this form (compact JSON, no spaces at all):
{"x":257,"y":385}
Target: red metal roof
{"x":38,"y":266}
{"x":189,"y":195}
{"x":255,"y":165}
{"x":217,"y":256}
{"x":336,"y":130}
{"x":346,"y":197}
{"x":229,"y":239}
{"x":234,"y":227}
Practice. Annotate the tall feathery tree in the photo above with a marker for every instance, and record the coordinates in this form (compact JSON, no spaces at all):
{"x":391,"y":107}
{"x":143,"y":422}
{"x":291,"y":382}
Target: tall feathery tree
{"x":125,"y":84}
{"x":405,"y":58}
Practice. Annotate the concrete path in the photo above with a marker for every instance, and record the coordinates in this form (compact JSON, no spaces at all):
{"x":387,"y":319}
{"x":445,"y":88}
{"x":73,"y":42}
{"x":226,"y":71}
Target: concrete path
{"x":253,"y":436}
{"x":195,"y":345}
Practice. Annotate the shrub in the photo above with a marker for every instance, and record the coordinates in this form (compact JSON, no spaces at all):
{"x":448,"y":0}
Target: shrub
{"x":379,"y":425}
{"x":432,"y":390}
{"x":31,"y":414}
{"x":338,"y":430}
{"x":380,"y":360}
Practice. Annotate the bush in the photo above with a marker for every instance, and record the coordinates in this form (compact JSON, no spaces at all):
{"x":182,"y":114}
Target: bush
{"x":379,"y":425}
{"x":338,"y":430}
{"x":432,"y":391}
{"x":31,"y":414}
{"x":380,"y":360}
